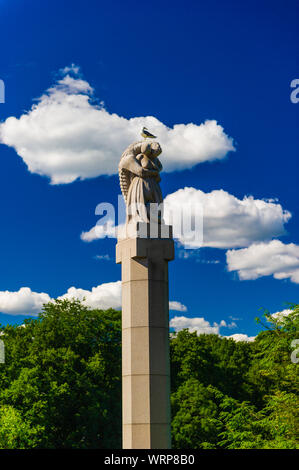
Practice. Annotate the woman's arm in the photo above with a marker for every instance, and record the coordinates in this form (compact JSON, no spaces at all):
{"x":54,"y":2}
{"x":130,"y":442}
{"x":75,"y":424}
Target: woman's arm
{"x":131,"y":164}
{"x":159,"y":164}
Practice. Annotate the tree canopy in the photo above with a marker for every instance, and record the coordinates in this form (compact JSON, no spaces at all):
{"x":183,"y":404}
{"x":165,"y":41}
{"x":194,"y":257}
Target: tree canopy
{"x":60,"y":385}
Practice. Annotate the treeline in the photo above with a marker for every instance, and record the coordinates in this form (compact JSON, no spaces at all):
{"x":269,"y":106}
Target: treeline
{"x":60,"y":385}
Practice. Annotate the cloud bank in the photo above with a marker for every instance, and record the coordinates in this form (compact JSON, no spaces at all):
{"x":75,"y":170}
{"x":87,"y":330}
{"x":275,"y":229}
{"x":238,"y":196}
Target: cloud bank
{"x":198,"y":324}
{"x":202,"y":326}
{"x":241,"y":337}
{"x":23,"y":301}
{"x":100,"y":231}
{"x":68,"y":135}
{"x":265,"y":259}
{"x":280,"y":316}
{"x":178,"y":306}
{"x":228,"y":222}
{"x":104,"y":296}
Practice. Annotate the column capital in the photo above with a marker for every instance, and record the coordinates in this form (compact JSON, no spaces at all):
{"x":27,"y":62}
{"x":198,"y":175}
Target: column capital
{"x":140,"y":248}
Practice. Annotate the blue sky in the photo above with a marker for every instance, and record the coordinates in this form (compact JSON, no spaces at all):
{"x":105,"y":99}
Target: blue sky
{"x":180,"y":62}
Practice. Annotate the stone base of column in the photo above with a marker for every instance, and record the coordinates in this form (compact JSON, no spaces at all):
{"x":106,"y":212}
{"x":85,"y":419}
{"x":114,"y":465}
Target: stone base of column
{"x":145,"y":342}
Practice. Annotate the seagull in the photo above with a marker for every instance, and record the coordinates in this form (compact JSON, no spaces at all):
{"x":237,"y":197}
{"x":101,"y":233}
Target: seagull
{"x":146,"y":134}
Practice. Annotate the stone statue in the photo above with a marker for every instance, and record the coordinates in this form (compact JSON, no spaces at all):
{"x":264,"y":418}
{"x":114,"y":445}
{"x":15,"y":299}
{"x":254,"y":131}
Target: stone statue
{"x":145,"y":246}
{"x":139,"y":177}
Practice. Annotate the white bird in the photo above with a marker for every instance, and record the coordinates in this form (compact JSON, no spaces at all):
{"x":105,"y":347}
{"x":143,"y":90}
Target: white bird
{"x":146,"y":134}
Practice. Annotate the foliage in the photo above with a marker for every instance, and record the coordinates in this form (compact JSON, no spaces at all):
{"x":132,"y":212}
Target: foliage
{"x":255,"y":388}
{"x":210,"y":359}
{"x":15,"y":432}
{"x":60,"y":386}
{"x":274,"y":427}
{"x":195,"y":421}
{"x":62,"y":376}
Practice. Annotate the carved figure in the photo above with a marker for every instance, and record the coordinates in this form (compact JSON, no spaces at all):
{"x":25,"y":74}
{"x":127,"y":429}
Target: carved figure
{"x":139,"y":178}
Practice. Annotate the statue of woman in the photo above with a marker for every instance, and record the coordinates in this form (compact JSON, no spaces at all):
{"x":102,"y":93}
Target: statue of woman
{"x":139,"y":169}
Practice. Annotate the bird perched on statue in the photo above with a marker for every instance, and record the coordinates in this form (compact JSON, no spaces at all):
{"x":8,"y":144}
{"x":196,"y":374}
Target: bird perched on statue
{"x":146,"y":134}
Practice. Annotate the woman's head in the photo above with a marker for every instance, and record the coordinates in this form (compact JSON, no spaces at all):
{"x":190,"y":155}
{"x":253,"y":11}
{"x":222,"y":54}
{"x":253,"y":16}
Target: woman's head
{"x":155,"y":149}
{"x":151,"y":150}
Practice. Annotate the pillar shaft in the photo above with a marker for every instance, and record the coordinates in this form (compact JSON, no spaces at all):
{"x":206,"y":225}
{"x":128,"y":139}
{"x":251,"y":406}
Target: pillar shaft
{"x":145,"y":342}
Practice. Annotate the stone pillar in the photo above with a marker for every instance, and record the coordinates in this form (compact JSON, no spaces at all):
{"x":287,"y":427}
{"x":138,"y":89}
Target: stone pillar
{"x":145,"y":341}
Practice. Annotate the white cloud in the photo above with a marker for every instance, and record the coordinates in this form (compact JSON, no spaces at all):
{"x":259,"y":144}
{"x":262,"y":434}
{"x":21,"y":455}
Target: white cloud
{"x":26,"y":302}
{"x":99,"y":231}
{"x":281,"y":315}
{"x":266,"y":259}
{"x":70,"y":69}
{"x":22,"y":302}
{"x":174,"y":305}
{"x":66,"y":135}
{"x":198,"y":324}
{"x":241,"y":337}
{"x":104,"y":296}
{"x":228,"y":222}
{"x":68,"y":86}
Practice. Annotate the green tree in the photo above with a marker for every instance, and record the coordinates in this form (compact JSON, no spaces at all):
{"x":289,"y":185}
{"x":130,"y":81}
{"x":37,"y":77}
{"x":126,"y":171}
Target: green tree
{"x":195,"y":423}
{"x":254,"y":387}
{"x":62,"y":373}
{"x":212,"y":360}
{"x":60,"y":386}
{"x":271,"y":369}
{"x":273,"y":427}
{"x":15,"y":433}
